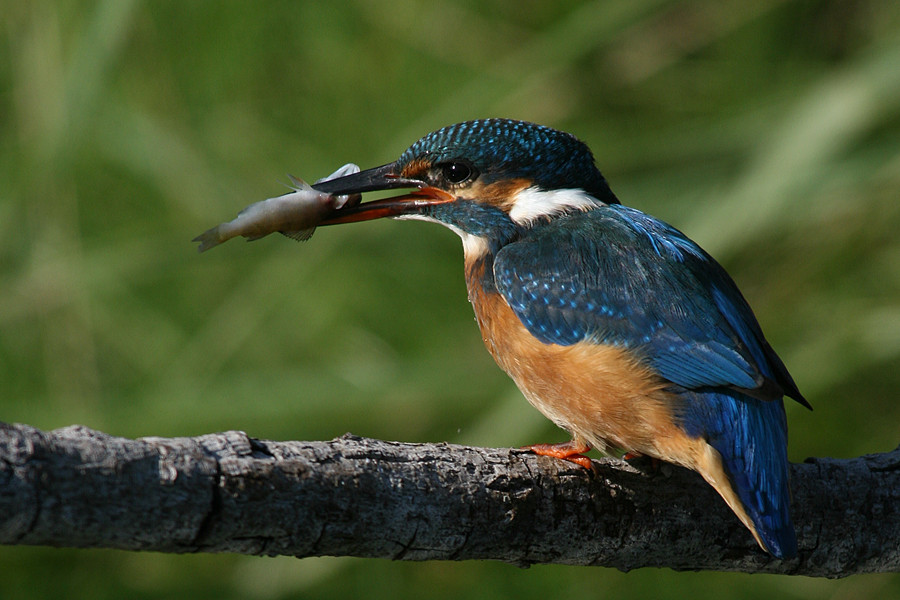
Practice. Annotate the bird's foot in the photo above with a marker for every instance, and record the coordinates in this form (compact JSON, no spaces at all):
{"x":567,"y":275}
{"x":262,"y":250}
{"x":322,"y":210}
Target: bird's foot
{"x":570,"y":451}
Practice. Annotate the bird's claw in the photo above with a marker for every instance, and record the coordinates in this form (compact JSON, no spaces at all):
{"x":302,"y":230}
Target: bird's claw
{"x":571,"y":451}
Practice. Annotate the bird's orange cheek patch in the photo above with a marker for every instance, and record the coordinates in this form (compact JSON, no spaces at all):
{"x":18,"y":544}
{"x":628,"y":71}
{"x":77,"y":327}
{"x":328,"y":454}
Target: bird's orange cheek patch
{"x":415,"y":169}
{"x":501,"y":194}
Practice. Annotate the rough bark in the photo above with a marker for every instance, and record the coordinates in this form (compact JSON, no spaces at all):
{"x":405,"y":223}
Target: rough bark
{"x":352,"y":496}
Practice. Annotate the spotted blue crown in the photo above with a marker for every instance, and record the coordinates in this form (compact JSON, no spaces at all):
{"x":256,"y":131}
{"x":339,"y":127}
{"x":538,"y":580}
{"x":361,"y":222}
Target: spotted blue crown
{"x":508,"y":149}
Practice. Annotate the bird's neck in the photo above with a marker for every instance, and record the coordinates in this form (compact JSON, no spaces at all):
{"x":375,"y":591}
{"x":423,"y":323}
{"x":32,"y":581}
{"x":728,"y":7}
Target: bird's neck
{"x":480,"y":273}
{"x":483,"y":229}
{"x":478,"y":221}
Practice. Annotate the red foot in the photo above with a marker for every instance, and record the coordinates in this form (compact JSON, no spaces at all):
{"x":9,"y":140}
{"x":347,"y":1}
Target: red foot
{"x":570,"y":451}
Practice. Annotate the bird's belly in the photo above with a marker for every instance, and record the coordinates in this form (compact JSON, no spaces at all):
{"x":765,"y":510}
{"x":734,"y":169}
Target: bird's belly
{"x":599,"y":393}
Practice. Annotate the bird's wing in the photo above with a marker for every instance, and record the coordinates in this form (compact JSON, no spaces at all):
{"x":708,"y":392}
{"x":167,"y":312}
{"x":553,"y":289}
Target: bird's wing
{"x":618,"y":276}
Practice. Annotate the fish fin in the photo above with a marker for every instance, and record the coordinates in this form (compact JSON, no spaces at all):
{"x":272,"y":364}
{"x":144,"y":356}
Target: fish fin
{"x":301,"y":235}
{"x":348,"y":169}
{"x":343,"y":201}
{"x":297,"y":184}
{"x":208,"y":239}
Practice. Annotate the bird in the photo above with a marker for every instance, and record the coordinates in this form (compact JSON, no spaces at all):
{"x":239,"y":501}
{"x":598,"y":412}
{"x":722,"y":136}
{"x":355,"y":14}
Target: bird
{"x":612,"y":323}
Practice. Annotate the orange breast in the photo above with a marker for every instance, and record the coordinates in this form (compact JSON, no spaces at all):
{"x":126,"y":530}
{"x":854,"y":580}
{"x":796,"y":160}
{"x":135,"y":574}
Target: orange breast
{"x":600,"y":394}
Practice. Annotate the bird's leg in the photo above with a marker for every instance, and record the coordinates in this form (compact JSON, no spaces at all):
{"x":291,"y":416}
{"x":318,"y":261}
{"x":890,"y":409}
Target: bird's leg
{"x":570,"y":451}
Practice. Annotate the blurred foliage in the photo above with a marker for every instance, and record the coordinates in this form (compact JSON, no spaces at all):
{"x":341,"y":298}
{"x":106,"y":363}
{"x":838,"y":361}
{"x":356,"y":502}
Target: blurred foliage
{"x":768,"y":130}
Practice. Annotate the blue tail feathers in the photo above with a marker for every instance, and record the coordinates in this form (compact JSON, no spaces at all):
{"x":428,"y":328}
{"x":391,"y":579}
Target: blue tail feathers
{"x":751,"y":437}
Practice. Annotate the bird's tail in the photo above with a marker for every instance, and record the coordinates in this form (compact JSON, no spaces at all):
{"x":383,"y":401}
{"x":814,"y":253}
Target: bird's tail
{"x":750,"y":437}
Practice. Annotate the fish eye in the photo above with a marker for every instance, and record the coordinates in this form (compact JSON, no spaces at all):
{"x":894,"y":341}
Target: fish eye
{"x":457,"y":172}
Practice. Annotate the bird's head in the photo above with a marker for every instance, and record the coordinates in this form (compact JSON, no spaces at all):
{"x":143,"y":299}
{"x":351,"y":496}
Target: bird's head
{"x":488,"y":180}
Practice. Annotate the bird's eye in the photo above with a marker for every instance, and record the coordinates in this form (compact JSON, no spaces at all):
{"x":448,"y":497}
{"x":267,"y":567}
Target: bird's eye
{"x":456,"y":172}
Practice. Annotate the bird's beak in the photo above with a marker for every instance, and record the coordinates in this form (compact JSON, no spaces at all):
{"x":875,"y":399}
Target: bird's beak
{"x":385,"y":177}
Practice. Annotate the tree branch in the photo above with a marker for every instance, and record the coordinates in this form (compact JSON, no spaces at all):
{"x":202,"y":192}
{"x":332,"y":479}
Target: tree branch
{"x":353,"y":496}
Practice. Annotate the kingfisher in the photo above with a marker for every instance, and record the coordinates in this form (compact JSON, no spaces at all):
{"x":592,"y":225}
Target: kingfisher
{"x":613,"y":324}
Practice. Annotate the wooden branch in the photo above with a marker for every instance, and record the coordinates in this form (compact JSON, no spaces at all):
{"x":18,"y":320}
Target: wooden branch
{"x":352,"y":496}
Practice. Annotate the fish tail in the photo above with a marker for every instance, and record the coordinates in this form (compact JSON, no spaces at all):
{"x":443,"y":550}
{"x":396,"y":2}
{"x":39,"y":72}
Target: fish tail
{"x":750,"y":439}
{"x":209,"y":239}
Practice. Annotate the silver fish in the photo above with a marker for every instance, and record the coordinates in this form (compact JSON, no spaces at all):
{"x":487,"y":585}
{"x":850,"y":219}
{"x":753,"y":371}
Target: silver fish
{"x":295,"y":215}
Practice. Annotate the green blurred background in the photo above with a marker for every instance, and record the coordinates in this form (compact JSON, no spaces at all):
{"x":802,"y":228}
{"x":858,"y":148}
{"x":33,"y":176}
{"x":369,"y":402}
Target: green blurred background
{"x":767,"y":130}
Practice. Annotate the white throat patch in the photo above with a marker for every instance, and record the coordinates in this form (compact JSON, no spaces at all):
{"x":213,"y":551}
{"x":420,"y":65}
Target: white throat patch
{"x":533,"y":203}
{"x":473,"y":245}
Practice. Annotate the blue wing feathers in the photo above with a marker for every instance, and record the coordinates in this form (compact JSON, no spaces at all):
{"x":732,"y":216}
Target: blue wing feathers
{"x":651,"y":289}
{"x":617,"y":276}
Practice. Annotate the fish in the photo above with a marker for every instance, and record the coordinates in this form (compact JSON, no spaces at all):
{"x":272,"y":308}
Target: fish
{"x":294,"y":215}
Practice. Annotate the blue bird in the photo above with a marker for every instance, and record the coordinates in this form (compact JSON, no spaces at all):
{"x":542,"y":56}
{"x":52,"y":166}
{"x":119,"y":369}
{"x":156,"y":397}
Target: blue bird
{"x":613,"y":324}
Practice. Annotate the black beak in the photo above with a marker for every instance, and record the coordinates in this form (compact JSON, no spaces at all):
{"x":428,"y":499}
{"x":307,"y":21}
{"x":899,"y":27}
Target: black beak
{"x":385,"y":177}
